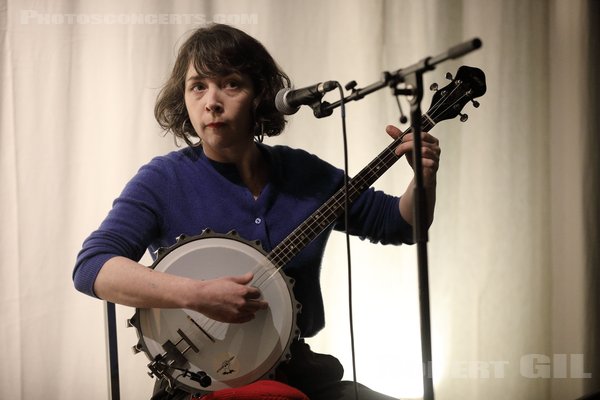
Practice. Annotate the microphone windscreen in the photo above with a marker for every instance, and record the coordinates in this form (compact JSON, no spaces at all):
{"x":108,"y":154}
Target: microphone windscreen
{"x":281,"y":103}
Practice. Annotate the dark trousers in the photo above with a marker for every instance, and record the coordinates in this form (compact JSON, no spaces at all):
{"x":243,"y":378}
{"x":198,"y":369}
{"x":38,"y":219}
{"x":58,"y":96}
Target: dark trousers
{"x":319,"y":376}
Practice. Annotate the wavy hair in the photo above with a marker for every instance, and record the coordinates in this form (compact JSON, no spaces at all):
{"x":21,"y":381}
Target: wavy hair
{"x":219,"y":50}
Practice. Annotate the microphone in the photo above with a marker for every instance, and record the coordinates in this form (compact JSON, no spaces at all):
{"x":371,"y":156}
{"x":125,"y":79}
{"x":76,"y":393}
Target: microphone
{"x":288,"y":101}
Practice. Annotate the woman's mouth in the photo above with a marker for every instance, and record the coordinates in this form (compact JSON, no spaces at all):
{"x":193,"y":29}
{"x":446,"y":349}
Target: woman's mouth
{"x":215,"y":125}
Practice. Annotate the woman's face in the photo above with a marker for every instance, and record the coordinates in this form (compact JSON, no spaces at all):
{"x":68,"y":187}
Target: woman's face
{"x":220,"y":109}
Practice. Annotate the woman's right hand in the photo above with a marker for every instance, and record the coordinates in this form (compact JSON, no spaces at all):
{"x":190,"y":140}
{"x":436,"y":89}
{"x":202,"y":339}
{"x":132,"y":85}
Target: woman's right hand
{"x":228,"y":299}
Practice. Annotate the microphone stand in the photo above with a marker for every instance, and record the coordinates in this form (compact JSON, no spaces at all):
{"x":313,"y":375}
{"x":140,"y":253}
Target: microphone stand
{"x":113,"y":353}
{"x":412,"y":76}
{"x":415,"y":80}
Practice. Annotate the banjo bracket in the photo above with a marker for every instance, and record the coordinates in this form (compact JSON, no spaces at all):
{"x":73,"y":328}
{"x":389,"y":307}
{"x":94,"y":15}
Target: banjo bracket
{"x":173,"y":359}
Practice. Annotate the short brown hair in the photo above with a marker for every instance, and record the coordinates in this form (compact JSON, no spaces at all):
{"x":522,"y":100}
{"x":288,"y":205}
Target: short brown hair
{"x":219,"y":50}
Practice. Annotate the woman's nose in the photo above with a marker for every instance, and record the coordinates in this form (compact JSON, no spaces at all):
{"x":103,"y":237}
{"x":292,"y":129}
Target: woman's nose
{"x":213,"y":100}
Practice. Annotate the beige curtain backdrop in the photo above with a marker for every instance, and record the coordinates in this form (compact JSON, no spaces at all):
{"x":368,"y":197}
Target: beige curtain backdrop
{"x":512,"y":253}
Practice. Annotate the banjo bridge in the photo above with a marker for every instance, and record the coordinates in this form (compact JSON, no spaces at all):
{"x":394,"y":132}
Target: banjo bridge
{"x":185,"y":338}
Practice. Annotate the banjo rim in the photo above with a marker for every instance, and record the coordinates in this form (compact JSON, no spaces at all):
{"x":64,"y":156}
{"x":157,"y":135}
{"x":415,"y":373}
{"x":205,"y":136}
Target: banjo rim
{"x":136,"y":320}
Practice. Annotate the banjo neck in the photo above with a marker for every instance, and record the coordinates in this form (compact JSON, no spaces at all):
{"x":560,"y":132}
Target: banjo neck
{"x":447,"y":103}
{"x":333,"y":208}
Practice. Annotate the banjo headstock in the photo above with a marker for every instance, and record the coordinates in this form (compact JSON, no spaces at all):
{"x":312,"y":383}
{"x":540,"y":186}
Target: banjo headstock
{"x":448,"y":102}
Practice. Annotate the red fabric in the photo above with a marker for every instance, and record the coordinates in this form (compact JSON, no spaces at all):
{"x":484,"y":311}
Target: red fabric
{"x":260,"y":390}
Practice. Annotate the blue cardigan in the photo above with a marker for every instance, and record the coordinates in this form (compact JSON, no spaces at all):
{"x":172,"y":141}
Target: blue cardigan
{"x":184,"y":192}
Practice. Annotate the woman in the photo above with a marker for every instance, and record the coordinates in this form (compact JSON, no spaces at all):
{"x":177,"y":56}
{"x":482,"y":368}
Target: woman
{"x":220,"y":101}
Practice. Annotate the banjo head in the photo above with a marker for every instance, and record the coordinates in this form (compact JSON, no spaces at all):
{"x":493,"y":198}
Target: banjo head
{"x":183,"y":344}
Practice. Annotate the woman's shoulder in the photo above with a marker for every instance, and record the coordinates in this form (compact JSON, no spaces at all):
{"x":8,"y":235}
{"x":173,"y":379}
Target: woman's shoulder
{"x":286,"y":155}
{"x":162,"y":168}
{"x":177,"y":157}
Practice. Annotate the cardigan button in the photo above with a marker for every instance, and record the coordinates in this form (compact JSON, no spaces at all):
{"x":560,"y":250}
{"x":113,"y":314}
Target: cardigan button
{"x":257,"y":221}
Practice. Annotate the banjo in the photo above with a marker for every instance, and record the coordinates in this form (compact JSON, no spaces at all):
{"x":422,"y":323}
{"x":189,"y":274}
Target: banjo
{"x":194,"y":353}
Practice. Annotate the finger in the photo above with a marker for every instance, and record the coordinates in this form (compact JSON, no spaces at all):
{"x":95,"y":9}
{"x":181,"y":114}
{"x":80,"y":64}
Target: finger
{"x":427,"y":142}
{"x":431,"y":153}
{"x":393,"y":131}
{"x":427,"y":138}
{"x":242,"y":279}
{"x":253,"y":306}
{"x":253,"y":293}
{"x":249,"y":310}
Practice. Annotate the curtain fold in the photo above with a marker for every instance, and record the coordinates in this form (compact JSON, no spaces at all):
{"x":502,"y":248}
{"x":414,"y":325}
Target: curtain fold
{"x":10,"y":296}
{"x":512,"y":252}
{"x":592,"y":196}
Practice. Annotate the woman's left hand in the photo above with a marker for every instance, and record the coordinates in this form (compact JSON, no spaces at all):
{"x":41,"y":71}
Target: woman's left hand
{"x":430,"y":151}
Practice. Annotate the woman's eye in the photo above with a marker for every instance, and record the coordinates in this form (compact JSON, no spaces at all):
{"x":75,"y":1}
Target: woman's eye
{"x":197,"y":88}
{"x":233,"y":84}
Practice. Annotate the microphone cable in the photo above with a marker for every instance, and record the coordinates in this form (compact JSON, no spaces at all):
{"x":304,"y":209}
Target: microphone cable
{"x":348,"y":250}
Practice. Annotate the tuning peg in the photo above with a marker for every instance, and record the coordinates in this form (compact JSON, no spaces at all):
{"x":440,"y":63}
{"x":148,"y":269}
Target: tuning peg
{"x":475,"y":103}
{"x":449,"y":76}
{"x":463,"y":117}
{"x":433,"y":87}
{"x":350,"y":85}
